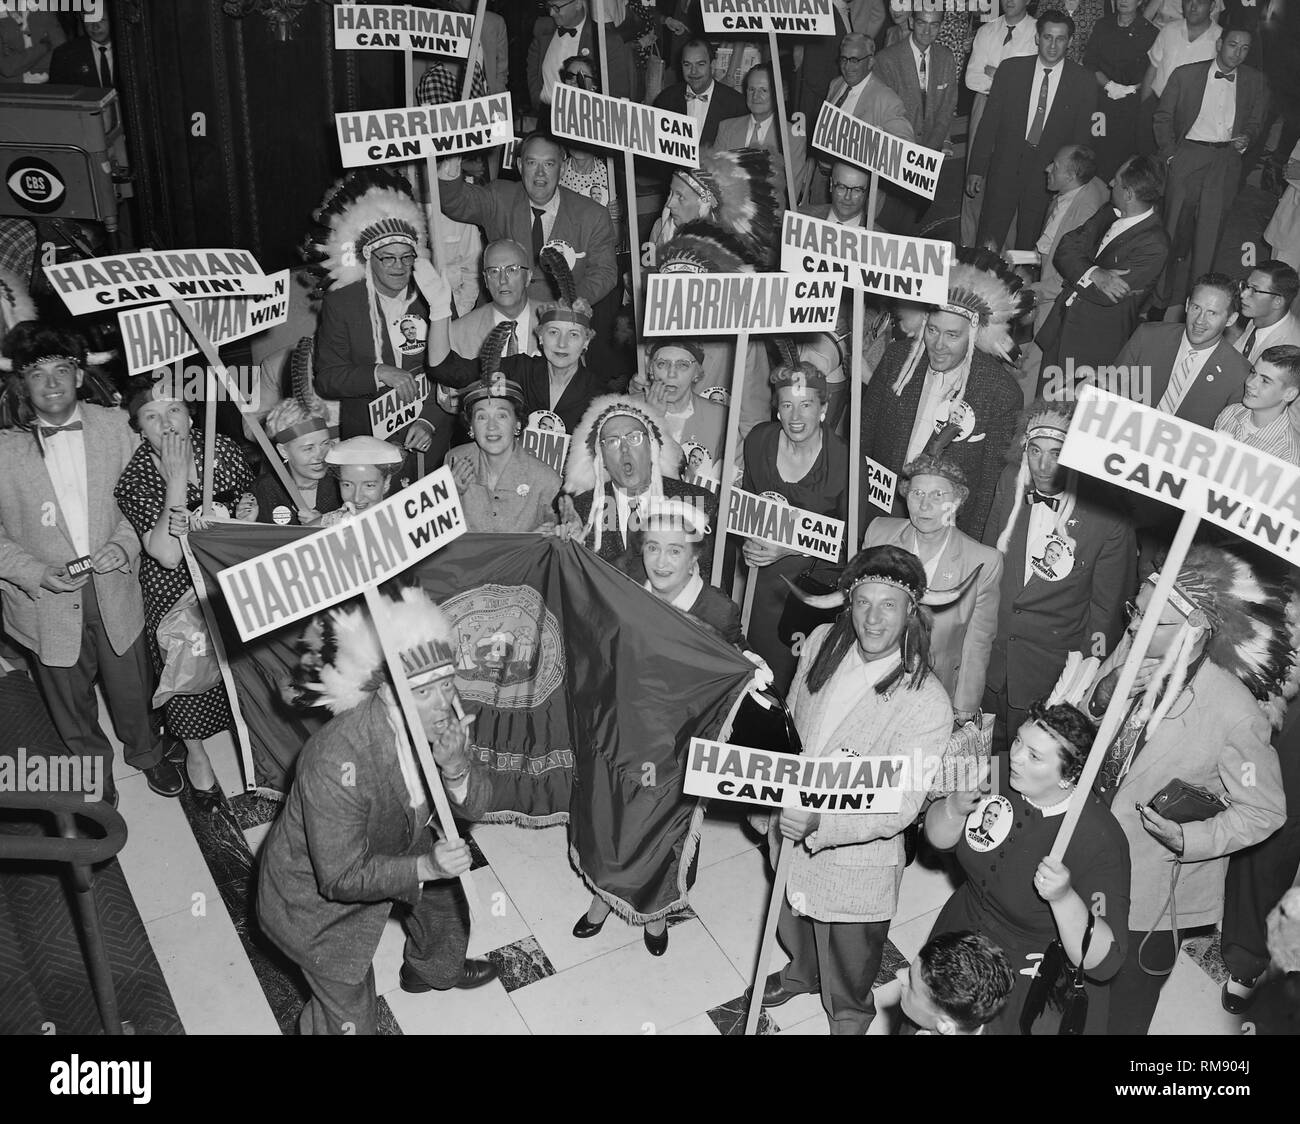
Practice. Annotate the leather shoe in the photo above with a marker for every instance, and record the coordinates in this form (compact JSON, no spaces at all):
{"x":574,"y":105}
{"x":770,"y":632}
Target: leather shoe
{"x":774,"y":992}
{"x":655,"y":945}
{"x":583,"y":928}
{"x":1236,"y":1004}
{"x":164,"y":778}
{"x":475,"y":973}
{"x":175,"y":751}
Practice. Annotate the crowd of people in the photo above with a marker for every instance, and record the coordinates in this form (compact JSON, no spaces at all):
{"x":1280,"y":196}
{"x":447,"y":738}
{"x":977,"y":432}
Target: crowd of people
{"x":996,"y":599}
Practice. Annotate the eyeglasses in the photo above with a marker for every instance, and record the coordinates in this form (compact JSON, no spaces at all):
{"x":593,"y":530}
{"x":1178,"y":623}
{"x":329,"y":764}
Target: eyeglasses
{"x":1246,"y":287}
{"x":845,"y":189}
{"x":390,"y":260}
{"x":503,"y":272}
{"x":928,"y":497}
{"x":681,"y":366}
{"x":574,"y":76}
{"x":633,"y":440}
{"x":558,"y":5}
{"x":1134,"y":613}
{"x":856,"y":58}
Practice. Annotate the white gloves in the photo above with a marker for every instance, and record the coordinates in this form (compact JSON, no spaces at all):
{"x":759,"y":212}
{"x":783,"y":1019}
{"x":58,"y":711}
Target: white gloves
{"x":1115,"y":91}
{"x":434,"y":288}
{"x":763,"y":677}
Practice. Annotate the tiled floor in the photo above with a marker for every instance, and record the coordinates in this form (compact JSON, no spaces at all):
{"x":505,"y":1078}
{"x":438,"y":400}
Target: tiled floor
{"x":550,"y":982}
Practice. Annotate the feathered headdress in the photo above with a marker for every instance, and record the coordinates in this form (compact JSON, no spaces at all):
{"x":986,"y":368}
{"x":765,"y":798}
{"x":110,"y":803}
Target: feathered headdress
{"x":983,"y":290}
{"x":492,"y":380}
{"x":736,"y":186}
{"x":571,"y":308}
{"x":701,"y":246}
{"x":303,"y":411}
{"x":585,"y":469}
{"x":1047,"y":420}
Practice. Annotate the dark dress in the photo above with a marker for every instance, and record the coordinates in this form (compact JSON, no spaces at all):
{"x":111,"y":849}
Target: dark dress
{"x":824,"y":490}
{"x":998,"y":899}
{"x":1120,"y":53}
{"x":271,"y":497}
{"x":141,"y":493}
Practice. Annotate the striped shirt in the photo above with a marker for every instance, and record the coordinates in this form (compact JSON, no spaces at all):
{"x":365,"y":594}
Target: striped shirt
{"x":1279,"y":438}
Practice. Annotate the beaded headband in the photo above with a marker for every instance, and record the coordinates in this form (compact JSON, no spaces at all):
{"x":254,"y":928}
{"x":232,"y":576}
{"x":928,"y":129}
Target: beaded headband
{"x":697,"y":185}
{"x":880,"y":579}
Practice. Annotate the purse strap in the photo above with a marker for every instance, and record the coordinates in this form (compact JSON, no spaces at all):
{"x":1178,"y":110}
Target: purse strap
{"x":1170,"y":907}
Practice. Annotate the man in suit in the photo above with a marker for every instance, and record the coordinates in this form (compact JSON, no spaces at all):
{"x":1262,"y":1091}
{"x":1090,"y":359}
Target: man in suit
{"x":930,"y":106}
{"x":507,"y":274}
{"x":57,"y":474}
{"x":1107,"y":268}
{"x":1077,"y":605}
{"x":1209,"y":114}
{"x":620,"y":460}
{"x":569,"y":30}
{"x":821,"y":52}
{"x":1266,"y":299}
{"x":850,"y":190}
{"x":698,"y":96}
{"x":537,"y":211}
{"x":759,"y":128}
{"x":87,"y":60}
{"x":1035,"y":107}
{"x":901,"y":412}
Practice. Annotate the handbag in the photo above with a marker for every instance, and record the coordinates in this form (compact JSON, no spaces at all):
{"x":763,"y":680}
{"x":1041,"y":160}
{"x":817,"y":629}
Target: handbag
{"x":1182,"y":803}
{"x":189,"y":664}
{"x":1058,"y":985}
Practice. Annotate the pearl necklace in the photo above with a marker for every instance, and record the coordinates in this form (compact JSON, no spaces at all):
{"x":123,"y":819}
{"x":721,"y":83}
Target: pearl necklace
{"x":1047,"y":807}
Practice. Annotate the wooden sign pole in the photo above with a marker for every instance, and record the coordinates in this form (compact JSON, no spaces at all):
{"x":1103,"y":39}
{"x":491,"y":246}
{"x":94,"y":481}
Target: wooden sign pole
{"x":729,"y":452}
{"x":769,"y":934}
{"x":782,"y":122}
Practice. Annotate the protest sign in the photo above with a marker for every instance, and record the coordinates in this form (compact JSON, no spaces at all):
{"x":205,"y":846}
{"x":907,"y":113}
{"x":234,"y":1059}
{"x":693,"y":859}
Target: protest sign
{"x":882,"y":484}
{"x":889,"y":265}
{"x":721,"y":304}
{"x":759,"y":517}
{"x":399,"y":27}
{"x":1250,"y":493}
{"x":99,"y":284}
{"x":548,"y":446}
{"x":388,"y":413}
{"x":284,"y":585}
{"x":642,"y":130}
{"x":801,"y":17}
{"x":784,"y":780}
{"x":900,"y":161}
{"x":154,"y":337}
{"x":387,"y":136}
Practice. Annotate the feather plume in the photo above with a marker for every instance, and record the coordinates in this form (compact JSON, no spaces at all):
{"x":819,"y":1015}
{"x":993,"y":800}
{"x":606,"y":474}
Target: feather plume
{"x":304,"y":387}
{"x":489,"y":355}
{"x":983,"y":284}
{"x":701,"y":246}
{"x":554,"y":263}
{"x":748,"y":205}
{"x":787,"y":349}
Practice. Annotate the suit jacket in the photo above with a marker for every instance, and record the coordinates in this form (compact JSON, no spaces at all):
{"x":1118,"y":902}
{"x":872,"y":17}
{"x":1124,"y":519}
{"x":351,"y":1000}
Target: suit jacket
{"x":469,"y":331}
{"x":50,"y":624}
{"x":1215,"y":736}
{"x":1180,"y":105}
{"x":76,"y":63}
{"x":887,"y":420}
{"x":962,"y":636}
{"x":724,"y":103}
{"x":896,"y":67}
{"x":1220,"y":382}
{"x":1085,"y":323}
{"x":621,"y":65}
{"x":1013,"y":172}
{"x":494,"y":48}
{"x":1091,"y":197}
{"x":340,"y":854}
{"x":532,"y":373}
{"x":11,"y":44}
{"x":1041,"y":622}
{"x":877,"y":105}
{"x":734,"y":133}
{"x":503,"y":210}
{"x":821,"y":53}
{"x":627,"y":556}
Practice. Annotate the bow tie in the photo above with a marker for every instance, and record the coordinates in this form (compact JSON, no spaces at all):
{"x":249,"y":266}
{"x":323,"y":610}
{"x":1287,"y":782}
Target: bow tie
{"x":1230,"y":77}
{"x":691,"y":95}
{"x":1054,"y":502}
{"x":563,"y":31}
{"x":51,"y":430}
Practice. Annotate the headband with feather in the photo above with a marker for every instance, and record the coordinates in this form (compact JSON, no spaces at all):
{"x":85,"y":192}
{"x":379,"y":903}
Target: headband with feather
{"x":303,"y":412}
{"x":492,"y":381}
{"x":570,"y":308}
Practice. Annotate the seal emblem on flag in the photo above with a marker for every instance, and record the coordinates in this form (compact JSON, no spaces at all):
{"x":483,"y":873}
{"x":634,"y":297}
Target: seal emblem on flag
{"x":510,"y":652}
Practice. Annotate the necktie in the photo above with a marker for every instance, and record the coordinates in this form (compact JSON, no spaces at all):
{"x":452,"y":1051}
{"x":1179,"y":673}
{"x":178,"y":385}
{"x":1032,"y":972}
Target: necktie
{"x":1178,"y":384}
{"x":512,"y":348}
{"x":842,"y":10}
{"x":1032,"y":497}
{"x":51,"y":430}
{"x":844,"y":94}
{"x":1010,"y":32}
{"x":691,"y":95}
{"x":105,"y":68}
{"x":1248,"y":341}
{"x":1040,"y":114}
{"x":924,"y":81}
{"x":539,"y":239}
{"x":752,"y":142}
{"x":1117,"y":756}
{"x":1230,"y":77}
{"x":563,"y":31}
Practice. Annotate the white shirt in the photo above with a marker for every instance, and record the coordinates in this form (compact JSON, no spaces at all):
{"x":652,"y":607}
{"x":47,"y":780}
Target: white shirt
{"x":689,"y":592}
{"x":105,"y":50}
{"x":698,"y":105}
{"x":1116,"y":229}
{"x":560,"y":48}
{"x":916,"y":61}
{"x":756,"y":132}
{"x":1218,"y":109}
{"x":933,"y":393}
{"x":853,"y":679}
{"x":1172,"y":50}
{"x":990,"y":50}
{"x":850,"y":103}
{"x":1263,"y":337}
{"x":1056,"y":216}
{"x":1053,"y":84}
{"x":1174,"y":395}
{"x":65,"y":461}
{"x":623,"y":502}
{"x":549,"y":210}
{"x":525,"y":342}
{"x":392,"y":309}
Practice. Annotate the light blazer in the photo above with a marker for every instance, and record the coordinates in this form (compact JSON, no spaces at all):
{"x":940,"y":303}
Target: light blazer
{"x":340,"y":854}
{"x":896,"y":67}
{"x":1180,"y":105}
{"x":1041,"y":622}
{"x":469,"y":331}
{"x":962,"y":637}
{"x":855,"y":864}
{"x":50,"y":624}
{"x":1220,"y":382}
{"x":877,"y":105}
{"x":724,"y":103}
{"x":734,"y":133}
{"x":502,"y":209}
{"x":495,"y":53}
{"x":1085,"y":323}
{"x":1092,"y":196}
{"x":1215,"y":736}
